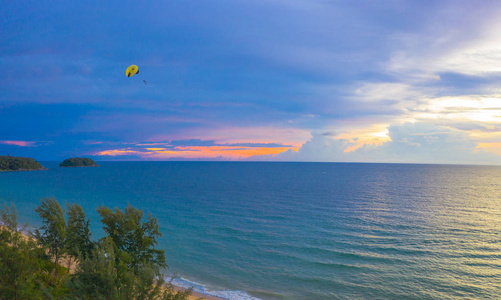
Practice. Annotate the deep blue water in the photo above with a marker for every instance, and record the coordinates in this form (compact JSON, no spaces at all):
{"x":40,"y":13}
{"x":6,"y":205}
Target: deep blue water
{"x":301,"y":230}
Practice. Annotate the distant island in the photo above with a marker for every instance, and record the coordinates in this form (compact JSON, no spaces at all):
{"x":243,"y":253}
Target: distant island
{"x":13,"y":163}
{"x":78,"y":162}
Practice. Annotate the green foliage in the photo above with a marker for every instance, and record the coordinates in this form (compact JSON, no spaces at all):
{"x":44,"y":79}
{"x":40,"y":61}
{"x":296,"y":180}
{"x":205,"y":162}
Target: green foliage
{"x":21,"y":261}
{"x":12,"y":163}
{"x":52,"y":283}
{"x":123,"y":265}
{"x":170,"y":293}
{"x":132,"y":235}
{"x":78,"y":162}
{"x":19,"y":267}
{"x":52,"y":233}
{"x":78,"y":236}
{"x":105,"y":275}
{"x":8,"y":217}
{"x":96,"y":276}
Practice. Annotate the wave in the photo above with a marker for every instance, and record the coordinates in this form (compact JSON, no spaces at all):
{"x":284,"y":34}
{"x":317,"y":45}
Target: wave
{"x":202,"y":289}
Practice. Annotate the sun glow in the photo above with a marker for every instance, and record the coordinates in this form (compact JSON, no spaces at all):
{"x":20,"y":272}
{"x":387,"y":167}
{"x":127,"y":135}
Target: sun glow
{"x":199,"y":152}
{"x":478,"y":115}
{"x":477,"y":109}
{"x":373,"y":135}
{"x":491,"y":147}
{"x":120,"y":152}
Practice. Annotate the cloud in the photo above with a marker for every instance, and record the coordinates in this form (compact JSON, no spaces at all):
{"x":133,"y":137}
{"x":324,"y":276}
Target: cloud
{"x":121,"y":152}
{"x":222,"y":134}
{"x":193,"y":149}
{"x":229,"y":80}
{"x":458,"y":39}
{"x":426,"y":143}
{"x":388,"y":91}
{"x":410,"y":142}
{"x":18,"y":143}
{"x":263,"y":145}
{"x":192,"y":142}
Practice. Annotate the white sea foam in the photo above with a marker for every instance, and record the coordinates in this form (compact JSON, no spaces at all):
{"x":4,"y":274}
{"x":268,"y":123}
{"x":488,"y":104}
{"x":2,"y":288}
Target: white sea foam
{"x":200,"y":288}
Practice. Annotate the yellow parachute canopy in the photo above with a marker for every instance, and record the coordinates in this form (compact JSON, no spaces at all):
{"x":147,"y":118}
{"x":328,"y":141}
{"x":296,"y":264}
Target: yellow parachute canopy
{"x":132,"y":70}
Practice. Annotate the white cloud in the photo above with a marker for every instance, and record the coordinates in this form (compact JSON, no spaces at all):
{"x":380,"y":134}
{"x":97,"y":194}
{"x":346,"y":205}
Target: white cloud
{"x":466,"y":41}
{"x":410,"y":143}
{"x":388,"y":91}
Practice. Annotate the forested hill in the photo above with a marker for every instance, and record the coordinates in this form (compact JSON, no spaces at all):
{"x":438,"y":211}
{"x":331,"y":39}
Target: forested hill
{"x":12,"y":163}
{"x":78,"y":162}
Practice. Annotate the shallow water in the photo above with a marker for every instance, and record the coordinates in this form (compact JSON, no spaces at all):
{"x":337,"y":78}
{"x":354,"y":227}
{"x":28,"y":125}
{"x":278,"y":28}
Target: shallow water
{"x":301,"y":230}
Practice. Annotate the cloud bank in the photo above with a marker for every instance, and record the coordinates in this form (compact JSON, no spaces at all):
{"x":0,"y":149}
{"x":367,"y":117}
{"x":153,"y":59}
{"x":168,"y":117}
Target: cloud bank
{"x":410,"y":143}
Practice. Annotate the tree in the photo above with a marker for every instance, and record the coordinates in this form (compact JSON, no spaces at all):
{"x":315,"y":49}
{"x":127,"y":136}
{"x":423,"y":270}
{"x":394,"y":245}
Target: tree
{"x":53,"y":231}
{"x":12,"y":163}
{"x":20,"y":260}
{"x":78,"y":236}
{"x":133,"y":236}
{"x":96,"y":275}
{"x":105,"y":275}
{"x":78,"y":162}
{"x":137,"y":261}
{"x":107,"y":271}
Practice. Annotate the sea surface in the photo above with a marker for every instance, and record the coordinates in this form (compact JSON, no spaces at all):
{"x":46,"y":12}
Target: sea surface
{"x":300,"y":230}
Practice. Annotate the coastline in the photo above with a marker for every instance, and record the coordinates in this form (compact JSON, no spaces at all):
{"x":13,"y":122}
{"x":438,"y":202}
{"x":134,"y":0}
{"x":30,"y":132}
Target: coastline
{"x":94,"y":166}
{"x":198,"y":296}
{"x":200,"y":291}
{"x":63,"y":261}
{"x":24,"y":170}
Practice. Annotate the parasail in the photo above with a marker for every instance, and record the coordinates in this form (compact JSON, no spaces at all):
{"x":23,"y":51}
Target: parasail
{"x":132,"y":70}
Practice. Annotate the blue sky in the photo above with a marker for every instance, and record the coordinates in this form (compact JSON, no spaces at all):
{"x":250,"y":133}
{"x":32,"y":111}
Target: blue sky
{"x":275,"y":80}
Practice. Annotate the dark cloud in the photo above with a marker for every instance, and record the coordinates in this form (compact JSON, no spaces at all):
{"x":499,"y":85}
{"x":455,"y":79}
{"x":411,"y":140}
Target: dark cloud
{"x":192,"y":142}
{"x":329,"y":133}
{"x":263,"y":145}
{"x":39,"y":122}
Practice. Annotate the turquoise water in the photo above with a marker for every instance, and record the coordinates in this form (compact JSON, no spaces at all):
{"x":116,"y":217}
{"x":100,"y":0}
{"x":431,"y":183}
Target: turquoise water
{"x":301,"y":230}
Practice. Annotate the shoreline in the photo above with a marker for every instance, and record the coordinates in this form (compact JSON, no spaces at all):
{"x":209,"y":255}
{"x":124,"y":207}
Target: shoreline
{"x":196,"y":295}
{"x":63,"y":261}
{"x":94,"y":166}
{"x":202,"y":291}
{"x":25,"y":170}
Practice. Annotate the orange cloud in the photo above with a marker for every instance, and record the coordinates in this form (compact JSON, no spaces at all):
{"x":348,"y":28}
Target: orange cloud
{"x":376,"y":134}
{"x":229,"y":152}
{"x":233,"y":135}
{"x":492,"y":147}
{"x":199,"y":152}
{"x":18,"y":143}
{"x":119,"y":152}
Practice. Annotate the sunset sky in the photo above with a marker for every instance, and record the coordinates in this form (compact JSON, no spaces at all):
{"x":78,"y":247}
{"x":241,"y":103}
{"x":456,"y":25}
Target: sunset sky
{"x":270,"y":80}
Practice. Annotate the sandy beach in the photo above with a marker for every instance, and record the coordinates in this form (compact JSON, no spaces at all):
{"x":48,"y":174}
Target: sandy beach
{"x":195,"y":295}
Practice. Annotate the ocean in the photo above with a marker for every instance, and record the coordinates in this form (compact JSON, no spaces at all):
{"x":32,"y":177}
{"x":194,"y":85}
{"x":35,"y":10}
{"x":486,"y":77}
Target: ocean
{"x":259,"y":230}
